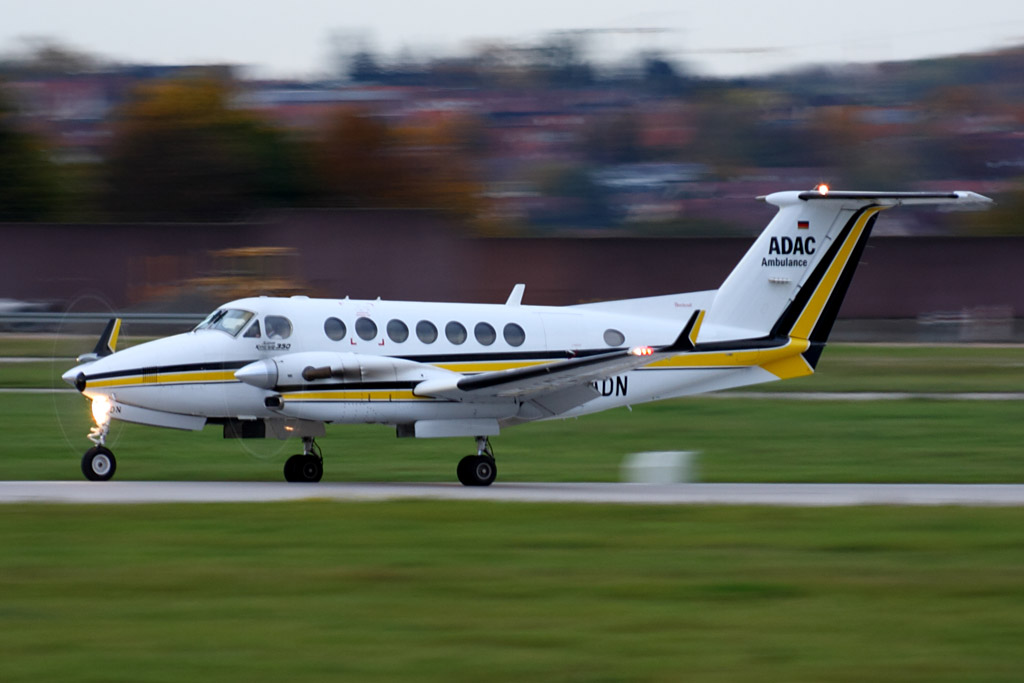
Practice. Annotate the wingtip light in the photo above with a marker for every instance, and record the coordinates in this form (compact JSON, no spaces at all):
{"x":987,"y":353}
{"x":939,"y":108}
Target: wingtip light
{"x":642,"y":351}
{"x":822,"y":189}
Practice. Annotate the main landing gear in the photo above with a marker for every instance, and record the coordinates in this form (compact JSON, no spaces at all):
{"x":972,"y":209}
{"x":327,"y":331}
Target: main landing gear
{"x":307,"y":466}
{"x":479,"y":469}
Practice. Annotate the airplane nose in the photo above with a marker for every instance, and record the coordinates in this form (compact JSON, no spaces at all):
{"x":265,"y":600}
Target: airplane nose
{"x":261,"y":373}
{"x":75,"y":377}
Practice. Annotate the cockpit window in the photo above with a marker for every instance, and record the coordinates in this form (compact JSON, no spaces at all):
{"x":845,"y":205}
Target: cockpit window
{"x":278,"y":327}
{"x":230,"y":320}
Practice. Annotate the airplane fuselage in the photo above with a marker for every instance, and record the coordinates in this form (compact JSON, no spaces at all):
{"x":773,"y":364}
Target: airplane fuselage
{"x":194,"y":373}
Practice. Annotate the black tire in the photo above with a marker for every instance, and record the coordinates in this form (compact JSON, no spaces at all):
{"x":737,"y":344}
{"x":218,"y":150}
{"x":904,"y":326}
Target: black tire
{"x":463,"y":470}
{"x":292,"y":468}
{"x":484,"y":470}
{"x":98,"y":464}
{"x":477,"y":470}
{"x":311,"y":469}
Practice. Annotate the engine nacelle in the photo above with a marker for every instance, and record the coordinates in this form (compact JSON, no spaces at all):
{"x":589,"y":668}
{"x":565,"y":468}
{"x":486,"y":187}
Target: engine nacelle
{"x":293,"y":369}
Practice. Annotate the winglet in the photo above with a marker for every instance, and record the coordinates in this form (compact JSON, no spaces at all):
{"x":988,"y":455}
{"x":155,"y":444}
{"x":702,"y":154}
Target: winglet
{"x":107,"y":343}
{"x":687,"y":339}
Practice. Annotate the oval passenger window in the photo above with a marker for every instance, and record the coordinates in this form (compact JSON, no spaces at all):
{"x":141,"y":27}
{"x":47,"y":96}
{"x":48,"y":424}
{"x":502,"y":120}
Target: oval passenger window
{"x":514,"y":335}
{"x":455,"y":332}
{"x":485,"y":334}
{"x":366,"y":329}
{"x":398,"y":331}
{"x":335,"y":329}
{"x":426,"y":331}
{"x":614,"y":338}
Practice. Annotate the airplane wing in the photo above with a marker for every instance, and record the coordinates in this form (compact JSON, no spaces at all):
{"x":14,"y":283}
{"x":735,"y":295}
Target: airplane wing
{"x":570,"y":379}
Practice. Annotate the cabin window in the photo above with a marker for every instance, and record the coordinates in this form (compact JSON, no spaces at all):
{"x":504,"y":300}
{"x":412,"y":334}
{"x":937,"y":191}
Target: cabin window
{"x":514,"y":335}
{"x":426,"y":331}
{"x":366,"y":329}
{"x":456,"y":332}
{"x":485,"y":334}
{"x":335,"y":329}
{"x":230,"y":320}
{"x":254,"y":331}
{"x":398,"y":331}
{"x":278,"y":327}
{"x":614,"y":338}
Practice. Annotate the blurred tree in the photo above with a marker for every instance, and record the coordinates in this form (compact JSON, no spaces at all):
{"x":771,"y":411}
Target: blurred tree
{"x":365,"y":163}
{"x":29,"y":180}
{"x":357,"y":162}
{"x":441,"y":158}
{"x":181,"y":152}
{"x":46,"y":56}
{"x":364,"y":67}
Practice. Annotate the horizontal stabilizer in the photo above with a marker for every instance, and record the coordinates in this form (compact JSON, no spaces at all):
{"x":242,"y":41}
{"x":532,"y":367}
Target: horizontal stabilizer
{"x":896,"y":198}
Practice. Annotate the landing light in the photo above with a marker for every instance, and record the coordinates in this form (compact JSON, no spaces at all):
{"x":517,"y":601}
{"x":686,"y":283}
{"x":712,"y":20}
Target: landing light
{"x":101,"y":410}
{"x":642,"y":351}
{"x":822,"y":189}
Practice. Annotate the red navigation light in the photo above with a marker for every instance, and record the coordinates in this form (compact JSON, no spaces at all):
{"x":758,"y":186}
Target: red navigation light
{"x":822,"y":189}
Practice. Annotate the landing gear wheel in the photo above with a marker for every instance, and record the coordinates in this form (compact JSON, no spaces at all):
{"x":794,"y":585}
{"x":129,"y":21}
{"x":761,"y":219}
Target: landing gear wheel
{"x":291,"y":468}
{"x":304,"y":468}
{"x":477,"y":470}
{"x":98,"y":464}
{"x":311,"y":469}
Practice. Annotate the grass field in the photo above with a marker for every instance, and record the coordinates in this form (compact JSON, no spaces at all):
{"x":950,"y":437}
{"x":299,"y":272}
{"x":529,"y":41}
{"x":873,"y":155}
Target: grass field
{"x":446,"y":591}
{"x":738,"y":440}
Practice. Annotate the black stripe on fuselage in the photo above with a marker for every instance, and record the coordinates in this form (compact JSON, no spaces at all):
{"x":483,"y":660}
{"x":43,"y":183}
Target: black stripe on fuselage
{"x":168,"y":369}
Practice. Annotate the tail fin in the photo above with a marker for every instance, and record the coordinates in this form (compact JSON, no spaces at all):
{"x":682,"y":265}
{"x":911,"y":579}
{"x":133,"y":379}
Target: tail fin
{"x":792,"y":281}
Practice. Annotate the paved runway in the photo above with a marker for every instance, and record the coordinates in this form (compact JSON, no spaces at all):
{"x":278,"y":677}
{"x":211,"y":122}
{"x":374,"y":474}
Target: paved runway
{"x":799,"y":495}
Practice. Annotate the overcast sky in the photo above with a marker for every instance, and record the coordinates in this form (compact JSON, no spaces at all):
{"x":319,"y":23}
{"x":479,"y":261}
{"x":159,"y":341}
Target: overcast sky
{"x":719,"y":37}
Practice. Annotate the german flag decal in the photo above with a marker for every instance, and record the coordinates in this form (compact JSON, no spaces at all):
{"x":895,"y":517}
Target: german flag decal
{"x":803,"y":225}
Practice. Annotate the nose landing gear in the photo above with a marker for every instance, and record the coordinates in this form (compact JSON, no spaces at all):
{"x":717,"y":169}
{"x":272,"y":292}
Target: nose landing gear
{"x":479,"y":469}
{"x":98,"y":463}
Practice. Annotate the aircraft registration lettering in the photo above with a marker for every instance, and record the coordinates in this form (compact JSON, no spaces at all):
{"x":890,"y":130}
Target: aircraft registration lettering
{"x":613,"y":386}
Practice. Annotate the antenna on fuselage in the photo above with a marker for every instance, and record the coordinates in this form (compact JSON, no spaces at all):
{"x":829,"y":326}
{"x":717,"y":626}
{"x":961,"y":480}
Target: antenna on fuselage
{"x":516,"y":297}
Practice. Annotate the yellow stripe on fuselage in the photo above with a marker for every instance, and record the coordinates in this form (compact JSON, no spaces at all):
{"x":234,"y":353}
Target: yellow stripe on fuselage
{"x":196,"y":377}
{"x":354,"y":395}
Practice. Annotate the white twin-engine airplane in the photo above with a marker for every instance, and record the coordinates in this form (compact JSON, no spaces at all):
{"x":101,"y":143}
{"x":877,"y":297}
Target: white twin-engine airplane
{"x":285,"y":367}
